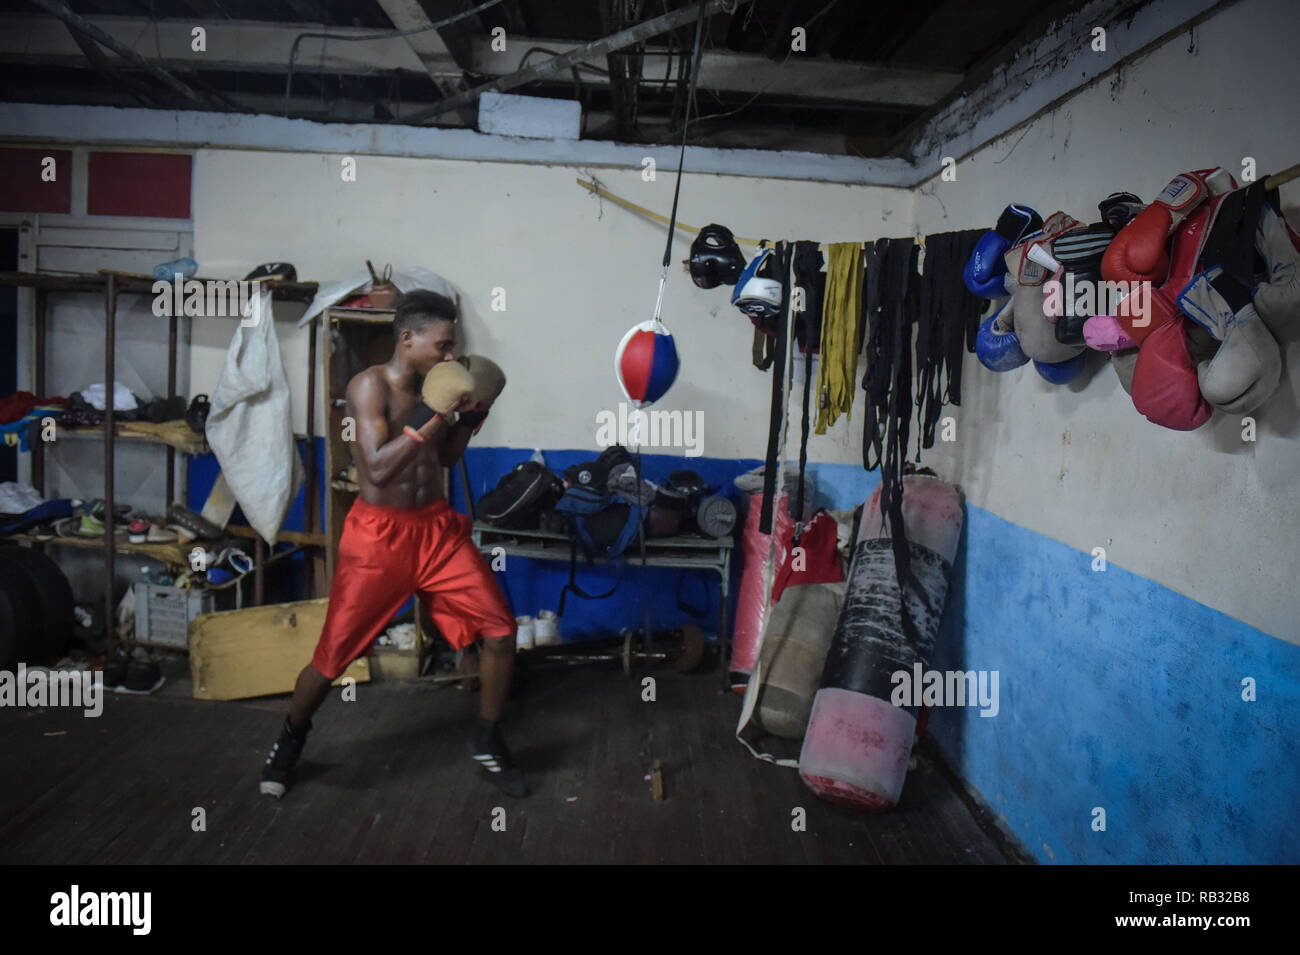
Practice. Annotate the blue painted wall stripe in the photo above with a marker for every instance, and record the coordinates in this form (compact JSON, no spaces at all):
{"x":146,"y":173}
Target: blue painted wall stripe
{"x":1117,"y":692}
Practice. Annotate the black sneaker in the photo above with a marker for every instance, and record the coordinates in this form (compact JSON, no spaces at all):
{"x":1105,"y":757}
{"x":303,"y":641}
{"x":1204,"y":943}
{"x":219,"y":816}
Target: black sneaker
{"x":282,"y":759}
{"x":115,"y":668}
{"x":489,"y":750}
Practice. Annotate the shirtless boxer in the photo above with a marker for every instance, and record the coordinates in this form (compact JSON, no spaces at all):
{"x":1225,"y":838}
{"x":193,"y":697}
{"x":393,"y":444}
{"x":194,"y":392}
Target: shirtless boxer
{"x":414,"y":416}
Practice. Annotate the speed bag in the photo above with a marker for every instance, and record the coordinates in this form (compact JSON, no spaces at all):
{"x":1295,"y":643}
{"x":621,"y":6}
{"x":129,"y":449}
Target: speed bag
{"x":858,"y":743}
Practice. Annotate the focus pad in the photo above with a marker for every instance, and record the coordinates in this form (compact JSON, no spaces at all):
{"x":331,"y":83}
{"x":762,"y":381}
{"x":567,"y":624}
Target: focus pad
{"x":445,"y":384}
{"x":489,"y":379}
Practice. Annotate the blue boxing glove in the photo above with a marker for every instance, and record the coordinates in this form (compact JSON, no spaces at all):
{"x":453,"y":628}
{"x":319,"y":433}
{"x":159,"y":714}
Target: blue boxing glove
{"x":986,"y":267}
{"x":1061,"y":372}
{"x":997,"y":345}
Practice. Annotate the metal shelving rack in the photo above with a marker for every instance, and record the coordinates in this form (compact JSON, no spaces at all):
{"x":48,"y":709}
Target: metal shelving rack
{"x":111,"y":285}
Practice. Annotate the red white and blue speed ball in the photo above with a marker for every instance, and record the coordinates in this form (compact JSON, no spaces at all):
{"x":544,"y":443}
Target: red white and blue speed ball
{"x":646,"y":362}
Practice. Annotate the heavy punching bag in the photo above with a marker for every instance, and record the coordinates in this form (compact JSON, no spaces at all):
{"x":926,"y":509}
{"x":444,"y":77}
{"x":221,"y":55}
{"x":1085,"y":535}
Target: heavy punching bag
{"x":858,"y":743}
{"x":755,"y":548}
{"x":794,"y":653}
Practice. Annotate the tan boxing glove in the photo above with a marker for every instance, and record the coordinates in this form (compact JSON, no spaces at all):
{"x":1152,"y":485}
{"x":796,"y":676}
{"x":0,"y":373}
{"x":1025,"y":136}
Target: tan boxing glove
{"x":447,"y":387}
{"x":489,"y":382}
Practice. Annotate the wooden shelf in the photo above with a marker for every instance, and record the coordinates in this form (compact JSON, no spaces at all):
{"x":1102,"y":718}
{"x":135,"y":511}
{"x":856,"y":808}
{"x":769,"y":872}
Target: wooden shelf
{"x":379,"y":316}
{"x":175,"y":434}
{"x":301,"y":538}
{"x":174,"y":554}
{"x":140,"y":284}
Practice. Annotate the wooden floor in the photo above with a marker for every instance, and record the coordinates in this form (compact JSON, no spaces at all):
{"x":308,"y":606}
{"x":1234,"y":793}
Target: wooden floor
{"x":387,"y":779}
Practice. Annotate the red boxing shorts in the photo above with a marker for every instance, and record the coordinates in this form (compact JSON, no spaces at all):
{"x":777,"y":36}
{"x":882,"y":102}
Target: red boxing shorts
{"x":387,"y":554}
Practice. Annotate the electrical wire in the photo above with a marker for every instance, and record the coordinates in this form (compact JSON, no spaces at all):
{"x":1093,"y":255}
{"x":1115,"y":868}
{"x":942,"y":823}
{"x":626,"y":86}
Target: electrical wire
{"x":387,"y":35}
{"x":745,"y":105}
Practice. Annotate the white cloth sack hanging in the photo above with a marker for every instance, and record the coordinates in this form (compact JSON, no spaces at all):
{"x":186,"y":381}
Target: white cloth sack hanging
{"x":250,"y":426}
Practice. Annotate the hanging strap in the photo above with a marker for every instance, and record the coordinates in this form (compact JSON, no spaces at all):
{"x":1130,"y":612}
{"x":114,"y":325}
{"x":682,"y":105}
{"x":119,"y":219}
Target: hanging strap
{"x":572,"y":585}
{"x":777,"y":415}
{"x":781,"y":377}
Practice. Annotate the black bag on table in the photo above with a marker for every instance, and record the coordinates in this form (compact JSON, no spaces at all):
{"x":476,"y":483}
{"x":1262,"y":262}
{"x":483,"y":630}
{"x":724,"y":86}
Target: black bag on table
{"x":520,"y":497}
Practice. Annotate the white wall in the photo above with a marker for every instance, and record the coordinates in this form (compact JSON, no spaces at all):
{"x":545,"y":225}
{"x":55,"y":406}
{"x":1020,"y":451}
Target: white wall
{"x":1203,"y":513}
{"x":577,"y":271}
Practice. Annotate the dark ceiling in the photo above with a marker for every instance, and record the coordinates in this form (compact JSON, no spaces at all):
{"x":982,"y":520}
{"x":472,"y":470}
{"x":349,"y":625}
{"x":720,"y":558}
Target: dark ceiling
{"x":869,"y":73}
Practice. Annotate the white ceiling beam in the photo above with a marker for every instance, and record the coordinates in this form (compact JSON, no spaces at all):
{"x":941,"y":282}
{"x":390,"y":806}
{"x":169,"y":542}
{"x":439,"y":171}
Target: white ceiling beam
{"x":428,"y":46}
{"x":194,"y":129}
{"x":727,"y":71}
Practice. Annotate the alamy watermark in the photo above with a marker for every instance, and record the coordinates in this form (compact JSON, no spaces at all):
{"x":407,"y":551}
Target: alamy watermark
{"x":651,"y":429}
{"x":920,"y":687}
{"x":78,"y":908}
{"x":1087,"y":298}
{"x":48,"y":688}
{"x":210,"y":298}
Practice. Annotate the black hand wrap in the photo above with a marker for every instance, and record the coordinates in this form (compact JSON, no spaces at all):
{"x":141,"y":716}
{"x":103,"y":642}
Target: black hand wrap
{"x":471,"y":419}
{"x":420,"y":415}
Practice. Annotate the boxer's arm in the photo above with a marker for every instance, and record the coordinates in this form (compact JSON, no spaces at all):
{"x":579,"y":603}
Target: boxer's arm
{"x":380,"y":455}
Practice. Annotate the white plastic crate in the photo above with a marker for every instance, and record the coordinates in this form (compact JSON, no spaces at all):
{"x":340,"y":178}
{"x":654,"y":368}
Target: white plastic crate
{"x":163,"y":614}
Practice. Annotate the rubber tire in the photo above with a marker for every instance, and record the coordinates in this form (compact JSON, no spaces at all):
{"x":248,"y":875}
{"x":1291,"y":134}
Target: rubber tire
{"x":53,"y":593}
{"x":21,"y":635}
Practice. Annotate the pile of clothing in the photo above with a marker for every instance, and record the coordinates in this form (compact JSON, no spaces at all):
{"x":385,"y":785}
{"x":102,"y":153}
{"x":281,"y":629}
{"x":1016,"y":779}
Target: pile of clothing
{"x":22,"y":413}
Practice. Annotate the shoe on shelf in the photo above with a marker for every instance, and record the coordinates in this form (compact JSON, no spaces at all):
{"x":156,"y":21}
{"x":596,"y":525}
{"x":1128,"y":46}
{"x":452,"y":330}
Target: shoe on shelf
{"x":160,"y":535}
{"x":139,"y":531}
{"x":278,"y":771}
{"x":92,"y":526}
{"x":120,"y":511}
{"x":196,"y":524}
{"x":44,"y":532}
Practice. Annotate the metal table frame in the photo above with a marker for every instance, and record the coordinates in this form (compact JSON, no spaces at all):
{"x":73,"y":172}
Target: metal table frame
{"x":691,"y":552}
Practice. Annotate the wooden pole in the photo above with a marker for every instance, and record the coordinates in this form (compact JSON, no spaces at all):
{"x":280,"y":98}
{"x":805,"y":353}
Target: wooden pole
{"x":1283,"y":177}
{"x":110,"y":373}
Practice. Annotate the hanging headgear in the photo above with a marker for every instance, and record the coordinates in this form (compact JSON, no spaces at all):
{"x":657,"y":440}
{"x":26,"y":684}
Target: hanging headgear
{"x":716,"y":259}
{"x":755,"y":294}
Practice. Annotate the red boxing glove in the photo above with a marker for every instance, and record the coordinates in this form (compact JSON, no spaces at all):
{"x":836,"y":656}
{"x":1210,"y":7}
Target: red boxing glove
{"x":1137,"y":253}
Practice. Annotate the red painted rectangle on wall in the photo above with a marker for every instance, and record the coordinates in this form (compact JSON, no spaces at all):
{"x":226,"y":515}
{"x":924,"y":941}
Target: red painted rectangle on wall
{"x":139,"y":184}
{"x":25,"y":184}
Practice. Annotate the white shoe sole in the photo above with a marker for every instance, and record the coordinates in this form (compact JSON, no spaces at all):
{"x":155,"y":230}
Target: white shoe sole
{"x":270,"y":788}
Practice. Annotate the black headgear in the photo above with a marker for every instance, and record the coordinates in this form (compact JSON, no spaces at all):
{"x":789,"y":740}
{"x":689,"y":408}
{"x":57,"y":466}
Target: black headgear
{"x":1118,"y":208}
{"x":715,"y":257}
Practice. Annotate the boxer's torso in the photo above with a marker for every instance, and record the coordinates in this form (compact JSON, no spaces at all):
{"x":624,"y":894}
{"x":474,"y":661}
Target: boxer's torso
{"x":419,"y":483}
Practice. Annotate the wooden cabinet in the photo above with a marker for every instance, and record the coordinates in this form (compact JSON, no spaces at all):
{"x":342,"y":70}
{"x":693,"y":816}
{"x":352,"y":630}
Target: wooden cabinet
{"x":356,"y":338}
